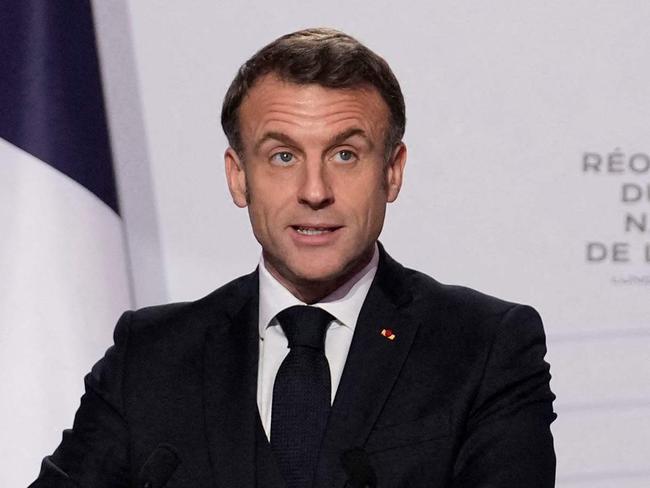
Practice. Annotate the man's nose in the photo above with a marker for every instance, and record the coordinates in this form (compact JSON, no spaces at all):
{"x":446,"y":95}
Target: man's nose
{"x":315,"y":189}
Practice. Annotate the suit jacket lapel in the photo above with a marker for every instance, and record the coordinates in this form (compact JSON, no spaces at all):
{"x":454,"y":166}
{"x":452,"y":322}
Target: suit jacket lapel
{"x":230,"y":382}
{"x":372,"y":366}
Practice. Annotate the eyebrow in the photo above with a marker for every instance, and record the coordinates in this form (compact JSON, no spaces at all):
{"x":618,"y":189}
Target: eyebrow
{"x":275,"y":136}
{"x":345,"y":135}
{"x":335,"y":140}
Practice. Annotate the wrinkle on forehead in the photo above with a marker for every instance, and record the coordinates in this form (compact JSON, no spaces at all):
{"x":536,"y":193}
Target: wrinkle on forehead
{"x":273,"y":104}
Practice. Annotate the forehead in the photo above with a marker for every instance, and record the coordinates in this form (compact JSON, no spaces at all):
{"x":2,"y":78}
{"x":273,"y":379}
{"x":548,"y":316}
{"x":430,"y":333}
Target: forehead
{"x":310,"y":109}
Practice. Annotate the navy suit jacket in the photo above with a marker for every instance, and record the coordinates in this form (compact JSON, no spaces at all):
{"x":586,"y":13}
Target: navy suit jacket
{"x":459,"y":398}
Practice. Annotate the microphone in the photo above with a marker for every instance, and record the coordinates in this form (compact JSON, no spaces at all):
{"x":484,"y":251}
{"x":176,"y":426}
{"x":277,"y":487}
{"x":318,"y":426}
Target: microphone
{"x":357,"y":467}
{"x":159,"y":467}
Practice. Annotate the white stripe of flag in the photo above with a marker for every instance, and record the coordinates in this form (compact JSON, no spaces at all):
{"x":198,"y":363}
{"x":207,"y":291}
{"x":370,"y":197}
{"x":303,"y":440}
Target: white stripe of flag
{"x":63,"y":270}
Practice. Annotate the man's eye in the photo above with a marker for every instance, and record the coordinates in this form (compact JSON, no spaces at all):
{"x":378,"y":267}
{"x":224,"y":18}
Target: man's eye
{"x":283,"y":157}
{"x":345,"y":156}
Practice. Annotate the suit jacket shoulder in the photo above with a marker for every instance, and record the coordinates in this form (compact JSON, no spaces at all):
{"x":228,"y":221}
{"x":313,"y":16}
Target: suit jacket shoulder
{"x":145,"y":401}
{"x":463,"y":387}
{"x":170,"y":318}
{"x":456,"y":309}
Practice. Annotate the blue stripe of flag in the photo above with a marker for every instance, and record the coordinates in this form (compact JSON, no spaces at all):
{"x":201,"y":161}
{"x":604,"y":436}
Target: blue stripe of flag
{"x":51,"y":102}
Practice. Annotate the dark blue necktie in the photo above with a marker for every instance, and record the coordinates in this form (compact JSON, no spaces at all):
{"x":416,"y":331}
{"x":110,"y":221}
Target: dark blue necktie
{"x":301,"y":395}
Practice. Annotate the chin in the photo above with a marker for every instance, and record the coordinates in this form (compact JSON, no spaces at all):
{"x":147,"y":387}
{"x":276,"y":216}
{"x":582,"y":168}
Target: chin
{"x":323,"y":270}
{"x":316,"y":274}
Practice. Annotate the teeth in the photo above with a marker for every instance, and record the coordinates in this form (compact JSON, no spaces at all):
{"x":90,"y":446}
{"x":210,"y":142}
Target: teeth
{"x":309,"y":231}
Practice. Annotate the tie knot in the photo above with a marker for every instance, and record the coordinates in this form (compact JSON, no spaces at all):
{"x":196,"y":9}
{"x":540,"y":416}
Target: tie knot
{"x":305,"y":325}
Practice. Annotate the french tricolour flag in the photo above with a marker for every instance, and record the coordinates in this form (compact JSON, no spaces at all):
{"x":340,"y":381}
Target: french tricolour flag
{"x":63,"y":273}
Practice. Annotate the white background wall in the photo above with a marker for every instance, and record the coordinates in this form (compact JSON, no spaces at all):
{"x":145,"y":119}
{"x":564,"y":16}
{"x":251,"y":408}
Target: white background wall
{"x":503,"y":98}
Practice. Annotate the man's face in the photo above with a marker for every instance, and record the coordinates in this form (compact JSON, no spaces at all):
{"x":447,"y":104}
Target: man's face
{"x":314,"y":177}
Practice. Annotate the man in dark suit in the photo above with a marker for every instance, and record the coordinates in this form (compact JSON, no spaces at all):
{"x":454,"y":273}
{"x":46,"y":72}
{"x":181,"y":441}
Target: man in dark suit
{"x":331,"y":364}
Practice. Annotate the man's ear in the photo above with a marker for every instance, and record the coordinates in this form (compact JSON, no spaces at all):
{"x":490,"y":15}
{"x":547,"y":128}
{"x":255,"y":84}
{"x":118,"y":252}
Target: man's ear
{"x":236,"y":177}
{"x":395,"y":171}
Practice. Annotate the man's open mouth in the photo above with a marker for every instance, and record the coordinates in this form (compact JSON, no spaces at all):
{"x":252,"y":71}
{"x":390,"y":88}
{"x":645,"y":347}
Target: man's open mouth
{"x":313,"y":231}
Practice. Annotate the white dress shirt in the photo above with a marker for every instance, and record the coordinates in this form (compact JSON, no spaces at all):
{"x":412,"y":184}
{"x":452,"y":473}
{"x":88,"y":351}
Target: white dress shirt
{"x":344,"y":304}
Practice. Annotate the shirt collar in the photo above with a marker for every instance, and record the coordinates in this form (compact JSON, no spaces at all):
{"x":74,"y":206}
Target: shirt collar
{"x":344,"y":303}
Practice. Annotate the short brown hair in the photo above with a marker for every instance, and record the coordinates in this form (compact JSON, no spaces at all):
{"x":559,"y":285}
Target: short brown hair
{"x":322,"y":56}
